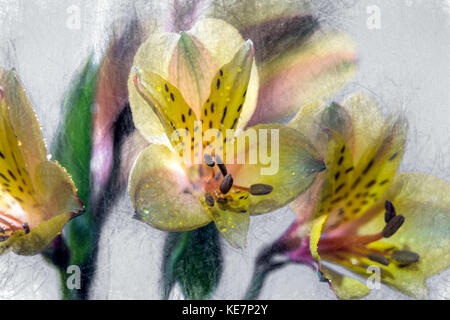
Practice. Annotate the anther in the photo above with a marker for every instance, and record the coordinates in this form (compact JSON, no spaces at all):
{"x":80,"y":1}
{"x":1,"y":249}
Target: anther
{"x":378,"y":258}
{"x":209,"y":199}
{"x":209,"y":160}
{"x":226,"y":184}
{"x":392,"y":226}
{"x":390,"y":211}
{"x":221,"y":166}
{"x":404,"y":256}
{"x":26,"y":228}
{"x":260,"y":189}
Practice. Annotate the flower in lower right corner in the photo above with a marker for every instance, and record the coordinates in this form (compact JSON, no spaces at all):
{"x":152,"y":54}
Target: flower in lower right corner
{"x":361,"y":213}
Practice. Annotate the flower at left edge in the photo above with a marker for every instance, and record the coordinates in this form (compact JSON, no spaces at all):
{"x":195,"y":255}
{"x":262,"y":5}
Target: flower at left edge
{"x":207,"y":74}
{"x":37,"y":196}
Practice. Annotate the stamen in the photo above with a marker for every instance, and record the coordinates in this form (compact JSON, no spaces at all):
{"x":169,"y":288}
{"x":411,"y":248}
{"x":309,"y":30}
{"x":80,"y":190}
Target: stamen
{"x":209,"y":160}
{"x":260,"y":189}
{"x":26,"y":228}
{"x":226,"y":184}
{"x":392,"y":226}
{"x":378,"y":258}
{"x":221,"y":166}
{"x":405,"y":256}
{"x":209,"y":199}
{"x":390,"y":211}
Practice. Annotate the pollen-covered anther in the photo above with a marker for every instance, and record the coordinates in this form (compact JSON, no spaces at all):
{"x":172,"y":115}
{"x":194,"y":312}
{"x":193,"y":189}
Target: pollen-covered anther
{"x":260,"y":189}
{"x":209,"y":160}
{"x":226,"y":184}
{"x":392,"y":226}
{"x":378,"y":258}
{"x":405,"y":256}
{"x":390,"y":211}
{"x":209,"y":199}
{"x":26,"y":228}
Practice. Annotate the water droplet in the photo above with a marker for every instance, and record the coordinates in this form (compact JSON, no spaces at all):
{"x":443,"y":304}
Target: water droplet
{"x":293,"y":173}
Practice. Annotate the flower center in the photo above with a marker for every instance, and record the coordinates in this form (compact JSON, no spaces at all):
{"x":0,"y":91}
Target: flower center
{"x":220,"y":188}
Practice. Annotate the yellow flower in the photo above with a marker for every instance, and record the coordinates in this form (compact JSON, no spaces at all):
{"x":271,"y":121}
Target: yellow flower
{"x":361,"y":212}
{"x":207,"y":74}
{"x":37,"y":196}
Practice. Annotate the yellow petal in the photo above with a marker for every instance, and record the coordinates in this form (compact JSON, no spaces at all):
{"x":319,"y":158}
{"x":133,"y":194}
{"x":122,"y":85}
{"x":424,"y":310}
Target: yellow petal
{"x":222,"y":40}
{"x":23,"y":120}
{"x":151,"y":56}
{"x":162,"y":194}
{"x":345,"y":287}
{"x":367,"y":122}
{"x":315,"y":235}
{"x":37,"y":239}
{"x":228,"y":92}
{"x":290,"y":168}
{"x":351,"y":190}
{"x":56,"y":190}
{"x":177,"y":118}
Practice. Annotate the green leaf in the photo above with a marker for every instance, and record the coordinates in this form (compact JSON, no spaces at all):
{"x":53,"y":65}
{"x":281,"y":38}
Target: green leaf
{"x":194,"y":260}
{"x":72,"y":148}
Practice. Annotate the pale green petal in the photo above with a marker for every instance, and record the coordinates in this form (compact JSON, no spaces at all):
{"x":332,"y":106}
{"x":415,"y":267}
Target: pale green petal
{"x":345,"y":287}
{"x":162,"y":194}
{"x":290,"y":168}
{"x":232,"y":225}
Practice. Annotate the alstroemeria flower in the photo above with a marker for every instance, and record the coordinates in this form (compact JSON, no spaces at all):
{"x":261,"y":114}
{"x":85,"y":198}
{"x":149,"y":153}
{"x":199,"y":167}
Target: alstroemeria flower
{"x":37,"y":196}
{"x":207,"y":74}
{"x":363,"y":213}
